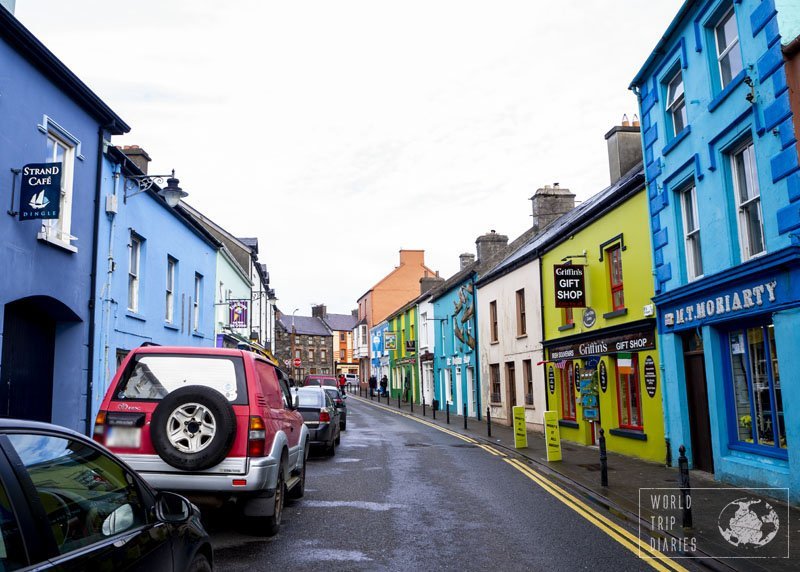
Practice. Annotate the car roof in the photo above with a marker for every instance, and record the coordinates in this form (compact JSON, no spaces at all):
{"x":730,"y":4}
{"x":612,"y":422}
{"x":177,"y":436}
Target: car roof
{"x":191,"y":350}
{"x":15,"y":424}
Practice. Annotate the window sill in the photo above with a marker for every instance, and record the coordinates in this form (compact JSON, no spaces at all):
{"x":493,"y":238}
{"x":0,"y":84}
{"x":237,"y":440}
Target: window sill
{"x":723,"y":95}
{"x":773,"y":452}
{"x":676,"y":140}
{"x":629,"y":434}
{"x":496,"y":403}
{"x":135,"y":315}
{"x":44,"y":237}
{"x":568,"y":423}
{"x":530,"y":407}
{"x":171,"y":326}
{"x":566,"y":327}
{"x":616,"y":313}
{"x":197,"y":334}
{"x":494,"y":343}
{"x":522,"y":336}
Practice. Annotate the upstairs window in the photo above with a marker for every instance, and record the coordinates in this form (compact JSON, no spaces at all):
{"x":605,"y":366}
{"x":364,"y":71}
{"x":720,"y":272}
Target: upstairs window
{"x":748,"y":201}
{"x":59,"y":150}
{"x":134,"y":257}
{"x":676,"y":105}
{"x":198,"y":288}
{"x":493,"y":321}
{"x":729,"y":56}
{"x":615,"y":277}
{"x":691,"y":233}
{"x":521,"y":326}
{"x":169,"y":314}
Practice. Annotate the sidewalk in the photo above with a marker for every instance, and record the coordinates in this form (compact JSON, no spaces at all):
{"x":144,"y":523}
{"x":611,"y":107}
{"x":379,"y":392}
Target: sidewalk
{"x":579,"y":471}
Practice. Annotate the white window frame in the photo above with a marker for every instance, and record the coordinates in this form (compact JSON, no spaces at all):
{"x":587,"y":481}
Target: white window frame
{"x":169,"y":314}
{"x":198,"y":282}
{"x":722,"y":52}
{"x":753,"y":193}
{"x":691,"y":233}
{"x":57,"y":231}
{"x":522,"y":326}
{"x":134,"y":271}
{"x":677,"y":105}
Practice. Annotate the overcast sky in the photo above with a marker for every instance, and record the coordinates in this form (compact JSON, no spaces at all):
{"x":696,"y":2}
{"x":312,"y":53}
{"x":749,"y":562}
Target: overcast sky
{"x":340,"y":131}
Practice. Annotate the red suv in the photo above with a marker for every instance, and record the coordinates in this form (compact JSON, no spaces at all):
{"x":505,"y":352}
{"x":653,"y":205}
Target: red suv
{"x":208,"y":422}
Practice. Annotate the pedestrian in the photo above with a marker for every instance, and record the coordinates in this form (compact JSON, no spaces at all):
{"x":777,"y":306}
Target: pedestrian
{"x":341,"y":383}
{"x":384,"y":384}
{"x":406,"y":389}
{"x":373,"y":384}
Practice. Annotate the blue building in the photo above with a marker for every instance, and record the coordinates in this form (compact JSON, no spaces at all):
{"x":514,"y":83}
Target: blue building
{"x":156,"y":271}
{"x":48,"y":116}
{"x":379,"y":364}
{"x":724,"y":183}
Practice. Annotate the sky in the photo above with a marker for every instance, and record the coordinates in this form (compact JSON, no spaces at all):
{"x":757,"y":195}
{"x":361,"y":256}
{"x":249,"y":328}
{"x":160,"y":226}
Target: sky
{"x":338,"y":132}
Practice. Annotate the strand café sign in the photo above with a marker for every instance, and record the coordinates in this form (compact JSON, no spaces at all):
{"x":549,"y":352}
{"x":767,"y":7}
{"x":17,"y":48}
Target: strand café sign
{"x":626,"y":343}
{"x":40,"y":191}
{"x":570,"y":287}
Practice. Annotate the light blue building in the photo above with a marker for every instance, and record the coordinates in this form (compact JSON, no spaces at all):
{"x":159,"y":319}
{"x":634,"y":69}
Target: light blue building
{"x":156,"y":271}
{"x":379,"y":365}
{"x":724,"y":184}
{"x":48,"y":116}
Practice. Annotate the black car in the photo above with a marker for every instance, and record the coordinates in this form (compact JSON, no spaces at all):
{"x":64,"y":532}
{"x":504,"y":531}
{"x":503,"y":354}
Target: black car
{"x":67,"y":503}
{"x":338,"y":402}
{"x":320,"y":416}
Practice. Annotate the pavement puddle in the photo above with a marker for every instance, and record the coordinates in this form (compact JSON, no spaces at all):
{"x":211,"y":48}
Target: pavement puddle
{"x":331,"y":554}
{"x":364,"y":505}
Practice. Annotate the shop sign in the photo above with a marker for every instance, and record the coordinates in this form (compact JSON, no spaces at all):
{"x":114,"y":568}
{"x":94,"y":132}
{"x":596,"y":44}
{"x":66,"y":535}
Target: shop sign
{"x":551,"y":380}
{"x":634,"y":342}
{"x":552,"y":436}
{"x":577,"y":377}
{"x":570,"y":290}
{"x":520,"y":431}
{"x":590,"y":402}
{"x":589,"y":317}
{"x":40,"y":191}
{"x":237,"y":313}
{"x":603,"y":375}
{"x":390,"y":341}
{"x":650,"y":379}
{"x":411,"y":346}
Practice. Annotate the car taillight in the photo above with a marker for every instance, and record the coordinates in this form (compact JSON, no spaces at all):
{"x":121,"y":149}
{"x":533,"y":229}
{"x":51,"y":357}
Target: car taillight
{"x":99,"y":433}
{"x":339,"y":402}
{"x":256,"y":437}
{"x":324,"y":417}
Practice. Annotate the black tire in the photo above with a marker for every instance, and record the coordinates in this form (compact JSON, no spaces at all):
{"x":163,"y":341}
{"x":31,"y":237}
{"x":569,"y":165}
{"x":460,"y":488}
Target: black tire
{"x":332,"y":449}
{"x":199,"y":564}
{"x":338,"y":438}
{"x":343,"y":425}
{"x":213,"y":452}
{"x":273,"y":523}
{"x":299,"y":489}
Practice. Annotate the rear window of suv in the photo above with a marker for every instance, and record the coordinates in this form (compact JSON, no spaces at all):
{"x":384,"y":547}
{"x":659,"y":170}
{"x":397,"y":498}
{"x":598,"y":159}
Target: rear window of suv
{"x":151,"y":377}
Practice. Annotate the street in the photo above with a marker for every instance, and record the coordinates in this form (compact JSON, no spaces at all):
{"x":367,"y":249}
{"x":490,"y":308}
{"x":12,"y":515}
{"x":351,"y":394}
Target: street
{"x":395,"y":498}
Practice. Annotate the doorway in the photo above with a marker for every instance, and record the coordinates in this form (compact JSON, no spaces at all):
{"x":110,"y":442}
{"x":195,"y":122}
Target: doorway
{"x":511,"y":388}
{"x":697,"y":400}
{"x":472,"y":392}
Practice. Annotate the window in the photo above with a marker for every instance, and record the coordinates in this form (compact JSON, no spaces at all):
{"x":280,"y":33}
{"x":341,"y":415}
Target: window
{"x":494,"y":378}
{"x":12,"y":556}
{"x":342,"y":337}
{"x":527,"y":372}
{"x":493,"y":320}
{"x":134,"y":257}
{"x":198,"y":288}
{"x":310,"y":354}
{"x":342,"y":354}
{"x":60,"y":151}
{"x":757,"y":414}
{"x":729,"y":55}
{"x":567,"y":392}
{"x":521,"y":326}
{"x":676,"y":106}
{"x":629,"y":398}
{"x":615,"y":277}
{"x":297,"y":353}
{"x":568,"y":316}
{"x":169,"y":313}
{"x":691,"y":233}
{"x":323,"y":355}
{"x":363,"y":336}
{"x":748,"y":201}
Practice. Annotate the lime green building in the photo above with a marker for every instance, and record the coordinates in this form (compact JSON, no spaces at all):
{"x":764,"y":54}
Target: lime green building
{"x":404,"y":358}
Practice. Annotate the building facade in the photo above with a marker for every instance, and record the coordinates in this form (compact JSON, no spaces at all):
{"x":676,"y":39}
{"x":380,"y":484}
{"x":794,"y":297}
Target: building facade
{"x":404,"y":358}
{"x":341,"y":327}
{"x":304,"y":345}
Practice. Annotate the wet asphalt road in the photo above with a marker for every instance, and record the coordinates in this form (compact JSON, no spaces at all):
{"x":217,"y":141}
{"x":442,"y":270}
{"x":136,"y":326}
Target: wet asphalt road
{"x":400,"y":495}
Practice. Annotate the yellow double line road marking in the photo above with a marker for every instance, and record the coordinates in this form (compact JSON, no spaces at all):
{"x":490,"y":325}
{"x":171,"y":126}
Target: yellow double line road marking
{"x":636,"y":545}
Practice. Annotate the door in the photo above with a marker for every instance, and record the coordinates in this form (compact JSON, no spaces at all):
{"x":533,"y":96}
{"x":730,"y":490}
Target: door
{"x":511,"y":388}
{"x":472,"y":392}
{"x":458,"y":400}
{"x":26,"y":387}
{"x":697,"y":399}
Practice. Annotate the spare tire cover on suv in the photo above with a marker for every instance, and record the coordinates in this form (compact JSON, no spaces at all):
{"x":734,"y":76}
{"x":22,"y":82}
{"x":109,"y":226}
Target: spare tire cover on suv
{"x":193,"y":428}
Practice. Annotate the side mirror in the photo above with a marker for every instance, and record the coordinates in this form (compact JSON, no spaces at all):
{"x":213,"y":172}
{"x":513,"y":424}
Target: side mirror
{"x":173,"y":508}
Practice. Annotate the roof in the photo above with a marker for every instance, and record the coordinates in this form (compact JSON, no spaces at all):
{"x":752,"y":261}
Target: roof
{"x":659,"y":50}
{"x":35,"y":52}
{"x":341,"y":322}
{"x":478,"y":267}
{"x":304,"y":325}
{"x":250,"y":242}
{"x":568,"y":224}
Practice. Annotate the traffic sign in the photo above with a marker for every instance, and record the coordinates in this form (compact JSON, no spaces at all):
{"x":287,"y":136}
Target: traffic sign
{"x":297,"y":362}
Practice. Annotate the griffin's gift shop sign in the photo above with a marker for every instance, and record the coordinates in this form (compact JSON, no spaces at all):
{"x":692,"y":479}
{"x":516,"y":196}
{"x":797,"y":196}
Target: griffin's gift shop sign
{"x":40,"y":192}
{"x":570,"y":291}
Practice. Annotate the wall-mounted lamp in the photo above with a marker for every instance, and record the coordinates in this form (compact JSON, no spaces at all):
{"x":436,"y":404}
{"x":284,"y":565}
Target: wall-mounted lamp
{"x":172,"y":193}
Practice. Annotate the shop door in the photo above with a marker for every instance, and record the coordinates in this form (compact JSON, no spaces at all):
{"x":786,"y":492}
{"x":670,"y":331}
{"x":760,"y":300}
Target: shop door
{"x":699,"y":424}
{"x":511,"y":389}
{"x":26,"y":384}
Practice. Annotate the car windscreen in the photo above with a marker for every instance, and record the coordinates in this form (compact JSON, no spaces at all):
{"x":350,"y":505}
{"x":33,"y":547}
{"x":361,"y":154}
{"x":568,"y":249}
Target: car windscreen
{"x":333,"y":393}
{"x":329,"y":382}
{"x":309,"y":399}
{"x":153,"y":376}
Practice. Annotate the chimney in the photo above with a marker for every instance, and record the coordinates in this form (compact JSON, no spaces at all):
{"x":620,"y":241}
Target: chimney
{"x":549,"y":203}
{"x":138,"y":156}
{"x":491,"y":244}
{"x":319,"y":311}
{"x":354,"y":313}
{"x":412,"y":257}
{"x":465,"y":260}
{"x":428,"y":283}
{"x":624,"y":148}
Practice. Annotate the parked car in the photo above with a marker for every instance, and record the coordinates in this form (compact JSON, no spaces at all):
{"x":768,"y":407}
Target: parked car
{"x":339,"y":404}
{"x":318,"y":380}
{"x":320,"y":416}
{"x":212,"y":423}
{"x":67,"y":503}
{"x":351,"y":380}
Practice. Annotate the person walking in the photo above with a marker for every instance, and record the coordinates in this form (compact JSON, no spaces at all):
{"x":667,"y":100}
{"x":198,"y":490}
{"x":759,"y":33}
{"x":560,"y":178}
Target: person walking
{"x":341,"y":382}
{"x":406,"y":389}
{"x":384,"y":384}
{"x":373,"y":384}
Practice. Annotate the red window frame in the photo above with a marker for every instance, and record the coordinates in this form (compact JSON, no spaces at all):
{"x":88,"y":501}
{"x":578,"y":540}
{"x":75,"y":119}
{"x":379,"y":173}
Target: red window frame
{"x":615,"y":277}
{"x":631,"y":381}
{"x":569,"y":317}
{"x":568,"y":393}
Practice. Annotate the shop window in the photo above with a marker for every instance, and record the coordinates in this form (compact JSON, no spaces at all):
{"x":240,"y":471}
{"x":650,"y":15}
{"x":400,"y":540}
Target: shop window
{"x":522,"y":328}
{"x":493,"y":321}
{"x":494,"y":377}
{"x":567,"y":392}
{"x":756,"y":411}
{"x":629,"y":395}
{"x":614,"y":256}
{"x":748,"y":201}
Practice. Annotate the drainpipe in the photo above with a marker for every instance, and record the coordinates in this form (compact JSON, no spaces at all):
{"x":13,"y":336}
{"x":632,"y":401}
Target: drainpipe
{"x":105,"y":295}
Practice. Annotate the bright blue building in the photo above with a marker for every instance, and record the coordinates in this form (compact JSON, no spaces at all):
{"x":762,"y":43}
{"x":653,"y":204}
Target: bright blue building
{"x":379,"y":365}
{"x":156,"y":271}
{"x":724,"y":184}
{"x":47,"y":115}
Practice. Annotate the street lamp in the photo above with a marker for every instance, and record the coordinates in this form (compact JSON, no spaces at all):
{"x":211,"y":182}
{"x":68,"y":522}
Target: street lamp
{"x":172,"y":193}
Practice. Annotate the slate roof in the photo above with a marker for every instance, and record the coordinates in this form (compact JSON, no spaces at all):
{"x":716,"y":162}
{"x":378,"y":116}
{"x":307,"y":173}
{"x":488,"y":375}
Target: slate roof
{"x":305,"y":325}
{"x":341,"y":322}
{"x":249,"y":242}
{"x":570,"y":223}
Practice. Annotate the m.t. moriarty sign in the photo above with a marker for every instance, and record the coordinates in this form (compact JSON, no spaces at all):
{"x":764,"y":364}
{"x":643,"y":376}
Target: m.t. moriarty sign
{"x":40,"y":192}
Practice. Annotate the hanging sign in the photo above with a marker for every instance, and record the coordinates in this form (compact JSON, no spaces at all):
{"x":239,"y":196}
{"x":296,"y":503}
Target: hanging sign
{"x":389,"y":341}
{"x":552,"y":436}
{"x":570,"y":291}
{"x":551,"y":380}
{"x":520,"y":431}
{"x":40,"y":191}
{"x":411,"y":346}
{"x":603,"y":376}
{"x":590,"y":402}
{"x":650,"y":376}
{"x":237,"y":313}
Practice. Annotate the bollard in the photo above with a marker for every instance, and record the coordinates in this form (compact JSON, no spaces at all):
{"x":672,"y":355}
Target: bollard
{"x":603,"y":459}
{"x":411,"y":403}
{"x":488,"y":422}
{"x":686,"y":487}
{"x":423,"y":405}
{"x":465,"y":416}
{"x":447,"y":408}
{"x":433,"y":408}
{"x":398,"y":401}
{"x":669,"y":453}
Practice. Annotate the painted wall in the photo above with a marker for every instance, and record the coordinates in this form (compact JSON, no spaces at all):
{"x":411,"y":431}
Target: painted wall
{"x":403,"y":363}
{"x":427,"y":346}
{"x":380,"y":359}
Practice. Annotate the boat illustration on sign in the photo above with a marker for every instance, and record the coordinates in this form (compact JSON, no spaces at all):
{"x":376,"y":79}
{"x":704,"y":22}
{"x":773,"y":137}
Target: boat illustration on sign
{"x":39,"y":201}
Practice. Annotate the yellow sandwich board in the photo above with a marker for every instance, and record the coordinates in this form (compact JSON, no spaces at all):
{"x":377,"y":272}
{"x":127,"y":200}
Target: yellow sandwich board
{"x":520,"y":431}
{"x":552,"y":436}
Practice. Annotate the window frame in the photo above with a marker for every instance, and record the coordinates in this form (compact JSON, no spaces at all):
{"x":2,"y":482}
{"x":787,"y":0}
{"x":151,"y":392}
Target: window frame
{"x":676,"y":105}
{"x":522,"y":327}
{"x":134,"y":274}
{"x":636,"y":382}
{"x":746,"y":149}
{"x":720,"y":55}
{"x":568,"y":409}
{"x":691,"y":237}
{"x":496,"y":395}
{"x":198,"y":291}
{"x":614,"y":255}
{"x":494,"y":336}
{"x":169,"y":311}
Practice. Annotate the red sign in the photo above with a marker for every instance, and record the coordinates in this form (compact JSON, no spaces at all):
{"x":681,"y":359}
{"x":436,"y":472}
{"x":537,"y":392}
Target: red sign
{"x":297,"y":362}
